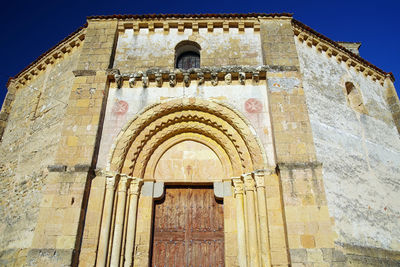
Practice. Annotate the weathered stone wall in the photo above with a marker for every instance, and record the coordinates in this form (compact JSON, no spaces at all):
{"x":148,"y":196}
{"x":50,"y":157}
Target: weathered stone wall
{"x":143,"y":49}
{"x":360,"y":153}
{"x":28,"y":146}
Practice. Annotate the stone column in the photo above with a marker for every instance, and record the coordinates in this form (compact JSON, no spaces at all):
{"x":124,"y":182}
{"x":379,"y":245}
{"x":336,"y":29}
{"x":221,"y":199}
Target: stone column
{"x":134,"y":190}
{"x":119,"y":221}
{"x":106,"y":221}
{"x":238,"y":185}
{"x":249,"y":186}
{"x":260,"y":177}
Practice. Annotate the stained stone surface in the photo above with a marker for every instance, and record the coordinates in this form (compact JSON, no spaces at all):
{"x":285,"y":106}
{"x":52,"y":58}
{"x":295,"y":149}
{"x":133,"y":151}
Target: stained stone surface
{"x":360,"y":152}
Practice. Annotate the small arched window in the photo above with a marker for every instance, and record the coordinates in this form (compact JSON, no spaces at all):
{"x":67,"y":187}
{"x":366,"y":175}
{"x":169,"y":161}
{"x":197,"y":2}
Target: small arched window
{"x":354,"y":97}
{"x":187,"y":55}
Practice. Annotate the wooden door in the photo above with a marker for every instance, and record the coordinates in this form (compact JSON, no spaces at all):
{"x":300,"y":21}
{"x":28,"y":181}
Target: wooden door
{"x":188,"y":229}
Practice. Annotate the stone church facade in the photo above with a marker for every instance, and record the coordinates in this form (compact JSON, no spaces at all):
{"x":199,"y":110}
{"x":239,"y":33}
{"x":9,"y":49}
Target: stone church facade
{"x":200,"y":140}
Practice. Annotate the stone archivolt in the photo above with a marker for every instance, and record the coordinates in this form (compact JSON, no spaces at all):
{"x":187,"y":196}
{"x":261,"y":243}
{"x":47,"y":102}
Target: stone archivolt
{"x":135,"y":143}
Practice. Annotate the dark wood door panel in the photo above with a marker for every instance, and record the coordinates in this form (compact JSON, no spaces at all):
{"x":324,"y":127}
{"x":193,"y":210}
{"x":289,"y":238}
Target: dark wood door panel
{"x":188,"y":229}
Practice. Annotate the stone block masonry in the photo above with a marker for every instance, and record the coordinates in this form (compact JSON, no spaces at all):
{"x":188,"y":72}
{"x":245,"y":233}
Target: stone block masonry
{"x":95,"y":130}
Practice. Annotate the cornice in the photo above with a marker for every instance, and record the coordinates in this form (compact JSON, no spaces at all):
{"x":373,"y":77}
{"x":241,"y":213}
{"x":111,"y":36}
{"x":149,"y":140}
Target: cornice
{"x":193,"y":24}
{"x":333,"y":49}
{"x":58,"y":51}
{"x":189,"y":16}
{"x":213,"y":74}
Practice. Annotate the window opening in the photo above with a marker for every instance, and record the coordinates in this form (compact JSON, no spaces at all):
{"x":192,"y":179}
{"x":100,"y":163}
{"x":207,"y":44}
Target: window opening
{"x":354,"y":97}
{"x":187,"y":55}
{"x":188,"y":60}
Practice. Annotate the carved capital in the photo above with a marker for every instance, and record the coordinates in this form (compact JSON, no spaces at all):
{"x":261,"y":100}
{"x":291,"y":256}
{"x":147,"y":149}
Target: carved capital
{"x":261,"y":175}
{"x":110,"y":181}
{"x":260,"y":179}
{"x":135,"y":185}
{"x":123,"y":182}
{"x":238,"y":185}
{"x":249,"y":183}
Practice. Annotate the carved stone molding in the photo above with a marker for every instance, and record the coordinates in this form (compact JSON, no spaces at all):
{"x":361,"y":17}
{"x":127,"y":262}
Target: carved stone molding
{"x":212,"y":74}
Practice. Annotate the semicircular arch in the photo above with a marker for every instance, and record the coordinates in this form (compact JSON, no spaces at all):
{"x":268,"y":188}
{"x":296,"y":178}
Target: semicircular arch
{"x":221,"y":154}
{"x":230,"y":128}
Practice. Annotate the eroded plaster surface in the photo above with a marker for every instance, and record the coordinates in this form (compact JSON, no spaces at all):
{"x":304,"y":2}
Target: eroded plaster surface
{"x":137,"y":51}
{"x":360,"y":152}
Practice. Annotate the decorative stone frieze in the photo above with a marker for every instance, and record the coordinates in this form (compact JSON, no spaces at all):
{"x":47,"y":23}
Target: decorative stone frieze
{"x":230,"y":73}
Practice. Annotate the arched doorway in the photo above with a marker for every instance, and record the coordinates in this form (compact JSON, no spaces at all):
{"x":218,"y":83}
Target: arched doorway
{"x":140,"y":163}
{"x":188,"y":222}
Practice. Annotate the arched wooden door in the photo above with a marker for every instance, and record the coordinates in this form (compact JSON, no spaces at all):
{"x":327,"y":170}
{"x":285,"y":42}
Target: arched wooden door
{"x":188,"y":228}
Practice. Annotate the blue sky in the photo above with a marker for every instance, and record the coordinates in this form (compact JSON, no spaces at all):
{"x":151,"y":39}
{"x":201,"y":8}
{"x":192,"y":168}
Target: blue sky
{"x":32,"y":27}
